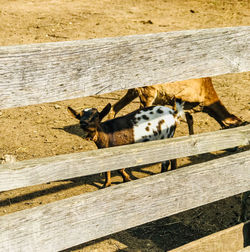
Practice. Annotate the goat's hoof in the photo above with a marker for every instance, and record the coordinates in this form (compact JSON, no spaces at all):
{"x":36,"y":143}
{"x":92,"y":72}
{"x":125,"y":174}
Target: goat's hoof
{"x":127,"y":179}
{"x":106,"y":185}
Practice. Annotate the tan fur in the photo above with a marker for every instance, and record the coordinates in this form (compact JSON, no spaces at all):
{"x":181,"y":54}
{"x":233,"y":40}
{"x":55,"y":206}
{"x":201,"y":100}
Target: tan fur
{"x":196,"y":93}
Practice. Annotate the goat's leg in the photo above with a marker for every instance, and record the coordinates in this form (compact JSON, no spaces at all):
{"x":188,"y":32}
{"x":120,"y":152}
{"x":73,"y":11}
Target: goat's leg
{"x":190,"y":122}
{"x":173,"y":164}
{"x":125,"y":100}
{"x":125,"y":175}
{"x":146,"y":101}
{"x":219,"y":112}
{"x":215,"y":108}
{"x":107,"y":179}
{"x":165,"y":165}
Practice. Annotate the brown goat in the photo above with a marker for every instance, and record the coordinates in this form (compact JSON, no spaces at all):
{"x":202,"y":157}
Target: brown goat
{"x":148,"y":124}
{"x":196,"y":93}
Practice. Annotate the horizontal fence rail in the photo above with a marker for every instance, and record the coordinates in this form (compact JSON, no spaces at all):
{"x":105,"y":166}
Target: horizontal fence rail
{"x":37,"y":73}
{"x":65,"y":223}
{"x":42,"y":170}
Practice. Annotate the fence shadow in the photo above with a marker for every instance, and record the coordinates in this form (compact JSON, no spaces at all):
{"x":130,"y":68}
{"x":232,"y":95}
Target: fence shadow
{"x":93,"y":180}
{"x":174,"y":231}
{"x":202,"y":158}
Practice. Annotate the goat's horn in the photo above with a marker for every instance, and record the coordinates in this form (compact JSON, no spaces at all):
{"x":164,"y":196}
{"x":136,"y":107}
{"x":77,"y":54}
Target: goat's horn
{"x":74,"y":113}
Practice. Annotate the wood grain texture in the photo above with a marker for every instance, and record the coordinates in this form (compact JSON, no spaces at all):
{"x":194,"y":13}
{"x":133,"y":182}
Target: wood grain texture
{"x":65,"y":223}
{"x":42,"y":170}
{"x":231,"y":239}
{"x":37,"y":73}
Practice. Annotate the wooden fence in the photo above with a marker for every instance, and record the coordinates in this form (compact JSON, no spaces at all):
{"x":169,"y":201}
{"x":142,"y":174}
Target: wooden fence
{"x":32,"y":74}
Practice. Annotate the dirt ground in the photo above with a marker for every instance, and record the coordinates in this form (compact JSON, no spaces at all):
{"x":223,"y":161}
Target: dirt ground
{"x":47,"y":129}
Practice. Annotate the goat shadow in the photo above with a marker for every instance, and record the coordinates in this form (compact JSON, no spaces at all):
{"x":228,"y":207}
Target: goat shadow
{"x":74,"y":129}
{"x":93,"y":180}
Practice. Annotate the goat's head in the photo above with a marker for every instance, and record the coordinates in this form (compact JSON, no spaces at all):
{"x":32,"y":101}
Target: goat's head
{"x":90,"y":118}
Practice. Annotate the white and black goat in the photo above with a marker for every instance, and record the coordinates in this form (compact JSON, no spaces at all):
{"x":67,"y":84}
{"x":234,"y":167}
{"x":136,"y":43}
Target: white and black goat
{"x":146,"y":124}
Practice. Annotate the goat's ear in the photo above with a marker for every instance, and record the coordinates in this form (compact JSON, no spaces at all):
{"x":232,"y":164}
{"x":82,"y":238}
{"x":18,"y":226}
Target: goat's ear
{"x":74,"y":113}
{"x":105,"y":111}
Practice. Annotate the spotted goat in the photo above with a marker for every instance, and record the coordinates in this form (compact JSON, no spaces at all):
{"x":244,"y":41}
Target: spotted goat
{"x":147,"y":124}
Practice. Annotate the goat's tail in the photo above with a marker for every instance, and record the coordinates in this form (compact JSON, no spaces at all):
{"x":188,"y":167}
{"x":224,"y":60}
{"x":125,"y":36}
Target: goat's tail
{"x":179,"y":109}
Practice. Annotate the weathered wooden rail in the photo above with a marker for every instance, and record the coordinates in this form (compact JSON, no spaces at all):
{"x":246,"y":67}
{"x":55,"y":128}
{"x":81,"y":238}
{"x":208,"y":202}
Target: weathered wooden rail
{"x":32,"y":74}
{"x":38,"y":73}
